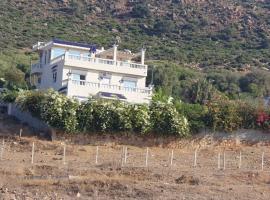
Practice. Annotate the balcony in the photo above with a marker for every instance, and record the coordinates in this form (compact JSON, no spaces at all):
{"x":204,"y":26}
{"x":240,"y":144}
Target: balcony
{"x":36,"y":68}
{"x":106,"y":65}
{"x":85,"y":89}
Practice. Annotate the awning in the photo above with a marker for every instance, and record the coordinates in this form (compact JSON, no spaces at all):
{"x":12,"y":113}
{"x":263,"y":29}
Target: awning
{"x":111,"y":95}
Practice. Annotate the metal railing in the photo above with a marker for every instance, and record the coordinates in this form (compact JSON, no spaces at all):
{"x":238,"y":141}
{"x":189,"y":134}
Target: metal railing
{"x":36,"y":66}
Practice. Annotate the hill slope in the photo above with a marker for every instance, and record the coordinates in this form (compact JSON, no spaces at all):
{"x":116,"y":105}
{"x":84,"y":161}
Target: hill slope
{"x":229,"y":33}
{"x":201,"y":34}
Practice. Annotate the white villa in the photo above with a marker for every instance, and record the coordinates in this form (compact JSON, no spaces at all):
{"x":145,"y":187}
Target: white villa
{"x":81,"y":70}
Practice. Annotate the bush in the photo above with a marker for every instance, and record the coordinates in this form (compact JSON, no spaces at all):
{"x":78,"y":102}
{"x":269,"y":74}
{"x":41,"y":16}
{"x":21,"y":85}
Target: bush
{"x":85,"y":117}
{"x":141,"y":11}
{"x":98,"y":115}
{"x":31,"y":102}
{"x":224,"y":115}
{"x":248,"y":114}
{"x":166,"y":120}
{"x":140,"y":118}
{"x":195,"y":113}
{"x":53,"y":108}
{"x":9,"y":96}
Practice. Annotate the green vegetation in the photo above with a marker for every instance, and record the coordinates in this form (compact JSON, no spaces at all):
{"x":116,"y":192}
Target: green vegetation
{"x":211,"y":56}
{"x":103,"y":116}
{"x":164,"y":116}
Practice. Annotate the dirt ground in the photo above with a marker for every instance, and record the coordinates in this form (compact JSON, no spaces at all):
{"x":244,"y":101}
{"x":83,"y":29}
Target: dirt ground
{"x":124,"y":171}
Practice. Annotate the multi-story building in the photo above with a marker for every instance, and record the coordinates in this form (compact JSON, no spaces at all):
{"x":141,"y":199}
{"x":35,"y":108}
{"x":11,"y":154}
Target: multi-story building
{"x":81,"y":70}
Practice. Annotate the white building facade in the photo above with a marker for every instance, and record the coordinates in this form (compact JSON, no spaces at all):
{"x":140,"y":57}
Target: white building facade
{"x":82,"y":71}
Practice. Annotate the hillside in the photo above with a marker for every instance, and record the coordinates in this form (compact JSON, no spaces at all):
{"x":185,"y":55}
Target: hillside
{"x":230,"y":34}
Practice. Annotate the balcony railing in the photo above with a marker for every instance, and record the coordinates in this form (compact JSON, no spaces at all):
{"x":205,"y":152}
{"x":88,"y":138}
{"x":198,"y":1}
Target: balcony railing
{"x":109,"y":87}
{"x":106,"y":61}
{"x":36,"y":68}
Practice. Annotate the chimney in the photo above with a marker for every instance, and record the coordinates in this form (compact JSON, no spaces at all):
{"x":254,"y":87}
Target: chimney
{"x":115,"y":52}
{"x":143,"y":56}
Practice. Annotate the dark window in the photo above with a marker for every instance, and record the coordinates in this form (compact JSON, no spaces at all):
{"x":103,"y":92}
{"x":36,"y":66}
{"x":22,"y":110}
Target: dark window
{"x":54,"y":76}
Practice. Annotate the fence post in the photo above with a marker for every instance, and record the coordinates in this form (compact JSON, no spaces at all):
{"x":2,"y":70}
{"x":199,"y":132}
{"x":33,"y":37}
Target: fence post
{"x":219,"y":160}
{"x":97,"y":155}
{"x":146,"y":157}
{"x":224,"y":160}
{"x":2,"y":149}
{"x":64,"y":155}
{"x":240,"y":160}
{"x":21,"y":132}
{"x":172,"y":158}
{"x":126,"y":155}
{"x":262,"y":161}
{"x":33,"y":151}
{"x":195,"y":158}
{"x":123,"y":156}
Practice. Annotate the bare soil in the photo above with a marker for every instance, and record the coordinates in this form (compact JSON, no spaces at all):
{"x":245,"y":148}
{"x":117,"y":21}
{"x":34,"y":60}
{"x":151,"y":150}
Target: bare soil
{"x":78,"y":176}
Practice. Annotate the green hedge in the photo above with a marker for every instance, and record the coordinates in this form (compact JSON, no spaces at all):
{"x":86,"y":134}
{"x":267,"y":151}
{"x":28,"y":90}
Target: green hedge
{"x":103,"y":116}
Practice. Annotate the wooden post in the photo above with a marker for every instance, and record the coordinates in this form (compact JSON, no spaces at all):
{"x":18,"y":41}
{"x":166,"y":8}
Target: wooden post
{"x":224,"y":160}
{"x":146,"y":157}
{"x":172,"y":158}
{"x":240,"y":160}
{"x":33,"y":151}
{"x":2,"y":149}
{"x":97,"y":155}
{"x":262,"y":161}
{"x":64,"y":155}
{"x":195,"y":158}
{"x":125,"y":155}
{"x":219,"y":160}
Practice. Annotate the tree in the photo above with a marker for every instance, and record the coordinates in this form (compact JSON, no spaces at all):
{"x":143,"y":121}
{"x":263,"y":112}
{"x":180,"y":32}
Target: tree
{"x":164,"y":26}
{"x":15,"y":78}
{"x":141,"y":11}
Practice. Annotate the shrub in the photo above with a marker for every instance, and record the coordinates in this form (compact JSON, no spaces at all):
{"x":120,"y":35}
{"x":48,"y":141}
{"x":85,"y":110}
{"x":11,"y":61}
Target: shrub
{"x":85,"y":117}
{"x":31,"y":102}
{"x":9,"y":96}
{"x":223,"y":115}
{"x":195,"y":113}
{"x":59,"y":111}
{"x":166,"y":120}
{"x":111,"y":116}
{"x":141,"y":11}
{"x":55,"y":109}
{"x":248,"y":114}
{"x":140,"y":118}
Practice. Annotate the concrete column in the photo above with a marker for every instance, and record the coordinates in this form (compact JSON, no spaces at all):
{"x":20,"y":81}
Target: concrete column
{"x":115,"y":52}
{"x":143,"y":56}
{"x":10,"y":109}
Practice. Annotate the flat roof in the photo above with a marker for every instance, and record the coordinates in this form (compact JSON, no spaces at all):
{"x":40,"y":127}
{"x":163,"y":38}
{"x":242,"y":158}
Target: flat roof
{"x":78,"y":44}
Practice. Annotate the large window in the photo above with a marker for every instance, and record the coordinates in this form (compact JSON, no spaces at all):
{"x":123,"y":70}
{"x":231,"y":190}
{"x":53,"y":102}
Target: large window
{"x":129,"y":83}
{"x":57,"y":52}
{"x":79,"y":78}
{"x":74,"y":52}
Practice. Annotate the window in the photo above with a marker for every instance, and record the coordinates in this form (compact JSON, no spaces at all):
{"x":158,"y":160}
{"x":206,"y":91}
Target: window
{"x":45,"y":59}
{"x":54,"y":76}
{"x":74,"y":53}
{"x":57,"y":52}
{"x":79,"y":78}
{"x":106,"y":80}
{"x":129,"y":83}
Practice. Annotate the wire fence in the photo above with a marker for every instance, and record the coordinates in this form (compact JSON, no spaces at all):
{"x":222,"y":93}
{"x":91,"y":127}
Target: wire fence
{"x":84,"y":157}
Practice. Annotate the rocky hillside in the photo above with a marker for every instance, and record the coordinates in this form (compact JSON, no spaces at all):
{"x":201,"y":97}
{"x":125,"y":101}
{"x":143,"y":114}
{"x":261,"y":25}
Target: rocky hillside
{"x":201,"y":33}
